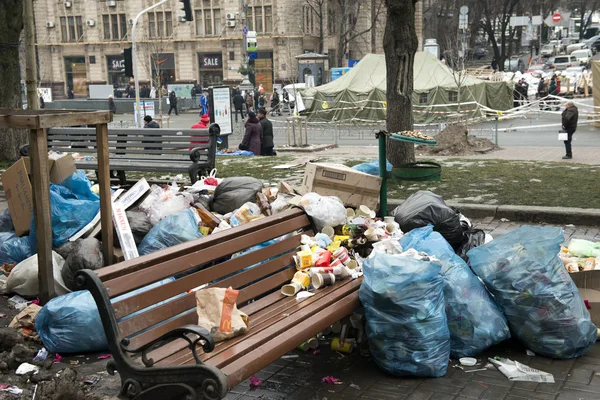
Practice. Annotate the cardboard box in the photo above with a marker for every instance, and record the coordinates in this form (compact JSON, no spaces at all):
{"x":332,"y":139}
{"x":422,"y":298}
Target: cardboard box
{"x":588,"y":283}
{"x":352,"y":187}
{"x":121,"y":224}
{"x":19,"y":196}
{"x":59,"y":169}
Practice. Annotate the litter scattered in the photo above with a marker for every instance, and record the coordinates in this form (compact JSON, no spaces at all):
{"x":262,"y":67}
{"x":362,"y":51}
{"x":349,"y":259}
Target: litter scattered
{"x":10,"y":389}
{"x":91,"y":380}
{"x":330,"y":380}
{"x":26,"y":368}
{"x":17,"y":302}
{"x":530,"y":353}
{"x":504,"y":220}
{"x":354,"y":386}
{"x":255,"y":382}
{"x":515,"y":371}
{"x":289,"y":357}
{"x":468,"y":361}
{"x":316,"y":352}
{"x":104,"y":357}
{"x":482,"y":385}
{"x":57,"y":358}
{"x":41,"y":355}
{"x":304,"y":295}
{"x":535,"y":180}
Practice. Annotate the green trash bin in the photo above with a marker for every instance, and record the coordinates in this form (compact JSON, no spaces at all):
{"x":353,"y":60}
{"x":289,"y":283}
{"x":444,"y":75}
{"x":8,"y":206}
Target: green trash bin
{"x":418,"y":171}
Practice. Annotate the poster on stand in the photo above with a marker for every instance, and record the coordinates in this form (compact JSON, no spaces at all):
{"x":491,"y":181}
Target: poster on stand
{"x":221,"y":108}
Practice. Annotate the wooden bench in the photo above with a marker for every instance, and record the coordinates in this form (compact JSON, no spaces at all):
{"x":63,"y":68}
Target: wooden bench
{"x":144,"y":150}
{"x":154,"y":350}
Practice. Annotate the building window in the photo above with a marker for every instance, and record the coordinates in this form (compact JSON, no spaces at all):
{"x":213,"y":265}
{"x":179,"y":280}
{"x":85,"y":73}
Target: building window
{"x":160,"y":24}
{"x":115,"y":26}
{"x":308,"y":19}
{"x":330,"y":22}
{"x":423,"y":98}
{"x":453,"y":96}
{"x":71,"y":28}
{"x":208,"y":20}
{"x":232,"y":56}
{"x":331,"y":53}
{"x":260,"y":19}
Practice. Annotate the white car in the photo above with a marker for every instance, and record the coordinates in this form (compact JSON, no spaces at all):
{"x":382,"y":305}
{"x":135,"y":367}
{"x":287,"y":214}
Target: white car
{"x":575,"y":46}
{"x":584,"y":56}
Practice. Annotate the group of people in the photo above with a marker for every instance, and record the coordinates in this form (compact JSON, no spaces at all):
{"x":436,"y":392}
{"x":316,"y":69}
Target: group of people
{"x":258,"y":134}
{"x":256,"y":99}
{"x":520,"y":93}
{"x":552,"y":89}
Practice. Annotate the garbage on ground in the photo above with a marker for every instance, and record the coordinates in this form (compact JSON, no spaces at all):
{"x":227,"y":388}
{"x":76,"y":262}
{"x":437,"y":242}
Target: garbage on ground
{"x":172,"y":230}
{"x":372,"y":168}
{"x":232,"y":193}
{"x":255,"y":382}
{"x":162,"y":202}
{"x":330,"y":380}
{"x":541,"y":303}
{"x":515,"y":371}
{"x":218,"y":313}
{"x":18,"y":303}
{"x":82,"y":254}
{"x":24,"y":322}
{"x":27,"y":368}
{"x":23,"y":278}
{"x":8,"y":388}
{"x":41,"y":355}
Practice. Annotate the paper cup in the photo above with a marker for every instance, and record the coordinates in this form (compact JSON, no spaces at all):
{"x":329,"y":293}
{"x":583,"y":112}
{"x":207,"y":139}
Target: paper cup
{"x":390,"y":228}
{"x":329,"y":231}
{"x":336,"y":263}
{"x":363,"y":211}
{"x":344,"y":273}
{"x":336,"y":327}
{"x":326,"y":270}
{"x":352,"y":264}
{"x":389,"y":220}
{"x":342,"y":255}
{"x":291,"y":289}
{"x":370,"y":234}
{"x":301,"y":278}
{"x":350,"y":213}
{"x":322,"y":280}
{"x":357,"y":321}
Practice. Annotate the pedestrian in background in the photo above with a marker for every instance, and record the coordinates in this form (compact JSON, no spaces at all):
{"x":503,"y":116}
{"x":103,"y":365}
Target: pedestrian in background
{"x":252,"y":136}
{"x":204,"y":103}
{"x":173,"y":103}
{"x":112,"y":107}
{"x":249,"y":101}
{"x":238,"y":105}
{"x":267,"y":133}
{"x":569,"y":124}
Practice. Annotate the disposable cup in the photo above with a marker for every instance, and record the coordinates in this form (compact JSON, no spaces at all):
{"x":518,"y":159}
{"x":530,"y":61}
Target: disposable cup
{"x":352,"y":264}
{"x":329,"y":231}
{"x":390,"y":228}
{"x":357,"y":321}
{"x":344,"y":347}
{"x":350,"y":213}
{"x":342,"y":255}
{"x":389,"y":220}
{"x":322,"y":280}
{"x":370,"y":234}
{"x":301,"y":278}
{"x":291,"y":289}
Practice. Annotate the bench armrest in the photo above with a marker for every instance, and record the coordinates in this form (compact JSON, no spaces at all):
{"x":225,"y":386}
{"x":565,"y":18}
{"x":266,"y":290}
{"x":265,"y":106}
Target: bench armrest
{"x":179,"y":333}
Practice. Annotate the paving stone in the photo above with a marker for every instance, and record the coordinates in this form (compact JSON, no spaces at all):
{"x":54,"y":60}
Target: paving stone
{"x":581,"y":375}
{"x":570,"y":394}
{"x":434,"y":386}
{"x":550,"y":388}
{"x":525,"y":385}
{"x":472,"y":390}
{"x":582,"y":387}
{"x":528,"y":394}
{"x":421,"y":395}
{"x":494,"y":392}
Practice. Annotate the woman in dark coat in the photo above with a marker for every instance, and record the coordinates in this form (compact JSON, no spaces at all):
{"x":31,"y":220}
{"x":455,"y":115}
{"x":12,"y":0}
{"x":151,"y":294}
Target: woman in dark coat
{"x":252,"y":137}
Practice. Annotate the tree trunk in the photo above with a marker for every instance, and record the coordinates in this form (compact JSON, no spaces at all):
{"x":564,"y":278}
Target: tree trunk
{"x":11,"y":24}
{"x":400,"y":45}
{"x":322,"y":19}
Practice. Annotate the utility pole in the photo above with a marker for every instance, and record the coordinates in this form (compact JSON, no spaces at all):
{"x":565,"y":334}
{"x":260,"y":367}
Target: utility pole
{"x":138,"y":109}
{"x":30,"y":61}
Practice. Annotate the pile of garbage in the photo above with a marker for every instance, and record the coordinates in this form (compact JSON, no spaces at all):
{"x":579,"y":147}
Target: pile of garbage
{"x":580,"y":255}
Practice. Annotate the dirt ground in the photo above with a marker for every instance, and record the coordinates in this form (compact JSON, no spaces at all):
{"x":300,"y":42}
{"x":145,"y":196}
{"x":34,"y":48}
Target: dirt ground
{"x":455,"y":141}
{"x":76,"y":377}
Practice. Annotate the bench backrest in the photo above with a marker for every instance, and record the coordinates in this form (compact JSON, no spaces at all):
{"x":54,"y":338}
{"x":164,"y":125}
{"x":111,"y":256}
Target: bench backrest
{"x":144,"y":315}
{"x":146,"y":143}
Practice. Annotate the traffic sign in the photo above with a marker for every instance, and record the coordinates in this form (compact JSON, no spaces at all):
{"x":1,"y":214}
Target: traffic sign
{"x":464,"y":10}
{"x":245,"y":30}
{"x":252,"y":56}
{"x":556,"y":17}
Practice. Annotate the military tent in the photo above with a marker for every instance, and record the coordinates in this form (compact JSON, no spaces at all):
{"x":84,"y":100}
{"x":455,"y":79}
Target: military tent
{"x":359,"y":96}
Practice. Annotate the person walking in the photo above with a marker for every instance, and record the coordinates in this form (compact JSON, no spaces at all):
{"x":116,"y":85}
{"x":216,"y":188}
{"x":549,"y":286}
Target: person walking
{"x":569,"y":124}
{"x":173,"y":103}
{"x":204,"y":103}
{"x":267,"y":133}
{"x":275,"y":103}
{"x":252,"y":136}
{"x":112,"y":107}
{"x":249,"y":101}
{"x":238,"y":104}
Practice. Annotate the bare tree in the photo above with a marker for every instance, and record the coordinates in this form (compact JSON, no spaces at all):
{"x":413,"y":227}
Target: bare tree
{"x":585,"y":9}
{"x":400,"y":44}
{"x":319,"y":9}
{"x":11,"y":25}
{"x":496,"y":20}
{"x":455,"y":55}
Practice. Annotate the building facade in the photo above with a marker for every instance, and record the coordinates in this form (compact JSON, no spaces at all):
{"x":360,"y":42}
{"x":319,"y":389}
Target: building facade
{"x":80,"y":42}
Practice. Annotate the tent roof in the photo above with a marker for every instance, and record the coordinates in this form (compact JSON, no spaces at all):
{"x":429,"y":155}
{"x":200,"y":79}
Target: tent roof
{"x":370,"y":73}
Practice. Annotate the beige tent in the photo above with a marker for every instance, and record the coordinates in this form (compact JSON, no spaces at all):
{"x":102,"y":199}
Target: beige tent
{"x":359,"y":95}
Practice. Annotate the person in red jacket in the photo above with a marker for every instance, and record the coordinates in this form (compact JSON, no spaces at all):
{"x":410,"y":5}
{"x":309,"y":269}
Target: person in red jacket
{"x":203,"y":124}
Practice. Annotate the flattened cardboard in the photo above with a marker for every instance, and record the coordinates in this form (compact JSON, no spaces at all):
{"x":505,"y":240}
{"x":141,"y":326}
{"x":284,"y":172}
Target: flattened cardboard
{"x":354,"y":188}
{"x":19,"y":196}
{"x":59,"y":169}
{"x":136,"y":192}
{"x":588,"y":283}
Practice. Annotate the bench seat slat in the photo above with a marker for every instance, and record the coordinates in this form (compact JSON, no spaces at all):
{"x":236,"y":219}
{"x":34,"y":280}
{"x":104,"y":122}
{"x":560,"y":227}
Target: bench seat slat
{"x":189,"y":255}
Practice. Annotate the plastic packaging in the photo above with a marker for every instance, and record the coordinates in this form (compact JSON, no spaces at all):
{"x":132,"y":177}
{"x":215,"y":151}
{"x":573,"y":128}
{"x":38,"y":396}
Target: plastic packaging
{"x":542,"y":304}
{"x":246,"y":213}
{"x":23,"y":278}
{"x":281,"y":203}
{"x":404,"y":310}
{"x":372,"y":168}
{"x":474,"y":238}
{"x":14,"y":249}
{"x":172,"y":230}
{"x":6,"y":224}
{"x":232,"y":193}
{"x":71,"y":324}
{"x":426,"y":208}
{"x":584,"y":248}
{"x":325,"y":211}
{"x":80,"y":186}
{"x":474,"y":319}
{"x":161,"y":203}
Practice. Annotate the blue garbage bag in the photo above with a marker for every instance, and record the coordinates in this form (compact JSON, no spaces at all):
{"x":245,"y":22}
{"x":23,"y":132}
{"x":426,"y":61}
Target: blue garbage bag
{"x":14,"y":249}
{"x":372,"y":168}
{"x":70,"y":213}
{"x":474,"y":319}
{"x":6,"y":224}
{"x":404,"y":309}
{"x":80,"y":186}
{"x":71,"y":324}
{"x":172,"y":230}
{"x":534,"y":290}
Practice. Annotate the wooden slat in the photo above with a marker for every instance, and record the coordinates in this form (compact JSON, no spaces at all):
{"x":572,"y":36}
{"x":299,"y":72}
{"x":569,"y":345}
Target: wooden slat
{"x":151,"y":268}
{"x":19,"y":121}
{"x":129,"y":142}
{"x":132,"y":131}
{"x":75,"y":118}
{"x":153,"y":296}
{"x":243,"y":367}
{"x":178,"y":306}
{"x":105,"y":194}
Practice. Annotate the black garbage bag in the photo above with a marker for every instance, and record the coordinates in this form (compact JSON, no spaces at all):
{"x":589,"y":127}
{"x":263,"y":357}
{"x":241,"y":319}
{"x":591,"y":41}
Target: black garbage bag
{"x":426,"y":208}
{"x":83,"y":254}
{"x":474,"y":238}
{"x":232,"y":193}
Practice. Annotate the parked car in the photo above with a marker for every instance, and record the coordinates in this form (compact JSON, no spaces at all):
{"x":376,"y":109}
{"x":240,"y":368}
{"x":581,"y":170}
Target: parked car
{"x":548,"y":50}
{"x":560,"y":63}
{"x":593,"y":43}
{"x":584,"y":57}
{"x":575,"y":46}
